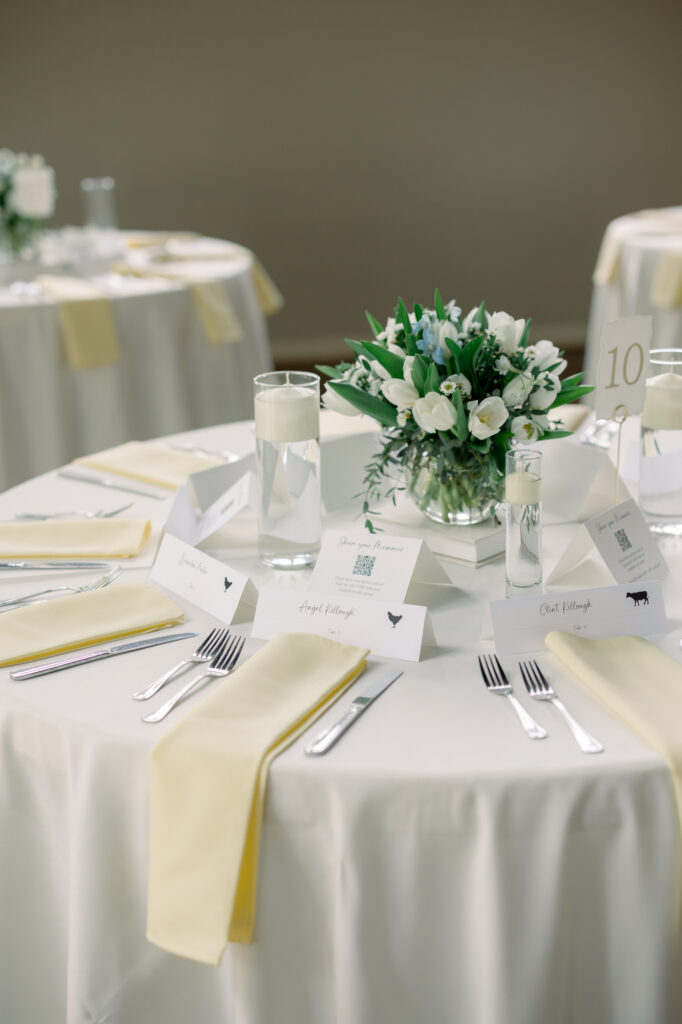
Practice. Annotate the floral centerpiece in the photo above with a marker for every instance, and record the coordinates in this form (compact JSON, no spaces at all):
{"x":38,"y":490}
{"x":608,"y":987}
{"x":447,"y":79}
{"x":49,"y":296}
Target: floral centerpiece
{"x":453,"y":394}
{"x":27,"y":198}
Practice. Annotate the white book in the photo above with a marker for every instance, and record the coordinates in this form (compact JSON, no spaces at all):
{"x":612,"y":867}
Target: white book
{"x":471,"y":545}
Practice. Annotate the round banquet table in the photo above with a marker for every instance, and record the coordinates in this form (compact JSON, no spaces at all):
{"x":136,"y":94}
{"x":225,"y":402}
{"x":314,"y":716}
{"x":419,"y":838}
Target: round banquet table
{"x":169,"y":377}
{"x":628,"y":279}
{"x":436,"y":865}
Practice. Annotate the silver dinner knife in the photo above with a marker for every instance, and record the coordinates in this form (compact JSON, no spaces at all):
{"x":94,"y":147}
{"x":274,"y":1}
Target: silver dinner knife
{"x":61,"y":563}
{"x":322,"y":743}
{"x":103,"y":481}
{"x":102,"y":652}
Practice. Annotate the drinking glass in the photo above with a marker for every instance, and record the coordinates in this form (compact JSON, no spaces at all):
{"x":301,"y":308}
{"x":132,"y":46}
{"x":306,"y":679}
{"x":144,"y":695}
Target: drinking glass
{"x":660,"y":464}
{"x":524,"y":521}
{"x":287,"y":420}
{"x":99,"y":202}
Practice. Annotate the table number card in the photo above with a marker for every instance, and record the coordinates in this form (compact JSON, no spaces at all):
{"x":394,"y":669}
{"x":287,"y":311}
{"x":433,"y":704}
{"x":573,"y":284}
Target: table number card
{"x":621,"y":369}
{"x":184,"y":523}
{"x":211,"y":585}
{"x":390,"y":630}
{"x":521,"y":624}
{"x":376,"y":566}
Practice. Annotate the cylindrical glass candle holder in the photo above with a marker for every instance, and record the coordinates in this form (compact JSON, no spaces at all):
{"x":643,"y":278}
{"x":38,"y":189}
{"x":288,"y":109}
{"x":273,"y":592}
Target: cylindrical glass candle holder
{"x":524,"y":521}
{"x":287,"y":419}
{"x":99,"y":202}
{"x":660,"y":466}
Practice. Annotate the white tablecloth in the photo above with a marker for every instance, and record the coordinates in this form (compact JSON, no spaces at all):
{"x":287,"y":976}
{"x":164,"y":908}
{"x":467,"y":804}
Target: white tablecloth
{"x":436,"y":866}
{"x":624,"y":284}
{"x":169,"y":377}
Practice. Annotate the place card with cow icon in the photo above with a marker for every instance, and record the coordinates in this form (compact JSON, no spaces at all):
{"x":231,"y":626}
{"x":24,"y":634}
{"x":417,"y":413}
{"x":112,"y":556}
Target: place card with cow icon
{"x":375,"y":566}
{"x":205,"y":582}
{"x":522,"y":623}
{"x":390,"y":630}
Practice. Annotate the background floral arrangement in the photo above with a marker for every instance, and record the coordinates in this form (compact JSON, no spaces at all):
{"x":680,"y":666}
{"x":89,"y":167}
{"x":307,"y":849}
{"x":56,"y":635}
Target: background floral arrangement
{"x":453,"y":394}
{"x":27,"y":198}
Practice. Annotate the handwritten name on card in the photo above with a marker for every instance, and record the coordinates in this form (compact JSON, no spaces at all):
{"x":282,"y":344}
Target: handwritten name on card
{"x":211,"y":585}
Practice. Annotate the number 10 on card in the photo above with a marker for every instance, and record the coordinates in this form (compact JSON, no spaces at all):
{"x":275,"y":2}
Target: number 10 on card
{"x":622,"y":368}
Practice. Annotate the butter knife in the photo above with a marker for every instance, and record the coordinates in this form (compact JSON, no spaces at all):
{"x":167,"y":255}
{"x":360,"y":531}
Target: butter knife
{"x":326,"y":739}
{"x":103,"y":652}
{"x":61,"y":563}
{"x":103,"y":481}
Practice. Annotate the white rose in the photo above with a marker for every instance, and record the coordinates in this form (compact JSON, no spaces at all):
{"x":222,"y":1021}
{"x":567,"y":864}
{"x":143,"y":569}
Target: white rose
{"x":33,"y":191}
{"x":486,"y":417}
{"x":544,"y":354}
{"x":433,"y":412}
{"x":550,"y":385}
{"x":332,"y":400}
{"x":507,"y":330}
{"x":524,"y":429}
{"x":516,"y":391}
{"x":400,"y":392}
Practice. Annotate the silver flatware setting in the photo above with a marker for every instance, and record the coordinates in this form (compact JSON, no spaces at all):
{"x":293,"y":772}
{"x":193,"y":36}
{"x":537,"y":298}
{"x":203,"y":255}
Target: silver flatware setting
{"x":56,"y":563}
{"x":210,"y":453}
{"x":222,"y":664}
{"x":496,"y":681}
{"x":103,"y":481}
{"x":74,"y":514}
{"x":204,"y":654}
{"x":96,"y":655}
{"x":41,"y":595}
{"x":540,"y":689}
{"x":328,"y":737}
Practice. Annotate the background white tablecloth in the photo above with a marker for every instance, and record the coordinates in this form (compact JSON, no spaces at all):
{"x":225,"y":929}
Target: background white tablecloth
{"x":435,"y":866}
{"x":169,"y":377}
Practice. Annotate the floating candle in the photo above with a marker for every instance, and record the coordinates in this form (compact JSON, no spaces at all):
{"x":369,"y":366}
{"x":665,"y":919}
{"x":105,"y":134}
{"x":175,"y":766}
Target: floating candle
{"x":663,"y":402}
{"x":522,"y":488}
{"x":287,"y":413}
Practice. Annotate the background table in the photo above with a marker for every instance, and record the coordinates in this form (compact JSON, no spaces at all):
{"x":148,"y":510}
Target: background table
{"x":436,"y":866}
{"x":625,"y":279}
{"x":169,"y":377}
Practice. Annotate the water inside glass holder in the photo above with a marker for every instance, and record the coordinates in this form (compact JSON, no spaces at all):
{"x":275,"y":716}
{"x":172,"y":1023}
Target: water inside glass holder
{"x":99,"y":202}
{"x":523,"y":552}
{"x":660,"y":464}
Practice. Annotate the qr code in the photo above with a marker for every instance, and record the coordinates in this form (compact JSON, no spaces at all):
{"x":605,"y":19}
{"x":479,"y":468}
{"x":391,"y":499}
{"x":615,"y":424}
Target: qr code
{"x":623,"y":540}
{"x":364,"y":564}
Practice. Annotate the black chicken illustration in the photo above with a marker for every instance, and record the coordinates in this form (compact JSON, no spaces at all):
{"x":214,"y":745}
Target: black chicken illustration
{"x":394,"y":619}
{"x":228,"y":583}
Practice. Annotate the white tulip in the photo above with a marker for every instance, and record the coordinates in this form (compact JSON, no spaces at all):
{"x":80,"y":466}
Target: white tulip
{"x":407,"y":369}
{"x":400,"y":392}
{"x":390,"y":331}
{"x":433,"y":412}
{"x":378,"y":370}
{"x":332,"y":400}
{"x":544,"y":354}
{"x":507,"y":330}
{"x":542,"y":398}
{"x":516,"y":391}
{"x":486,"y":417}
{"x":524,"y":429}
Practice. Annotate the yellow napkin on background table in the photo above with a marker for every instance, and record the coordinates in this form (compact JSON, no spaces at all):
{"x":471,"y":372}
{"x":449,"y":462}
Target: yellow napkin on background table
{"x":61,"y":624}
{"x":207,"y":789}
{"x":68,"y":538}
{"x":86,"y":320}
{"x":635,"y":680}
{"x":149,"y":463}
{"x":666,"y":285}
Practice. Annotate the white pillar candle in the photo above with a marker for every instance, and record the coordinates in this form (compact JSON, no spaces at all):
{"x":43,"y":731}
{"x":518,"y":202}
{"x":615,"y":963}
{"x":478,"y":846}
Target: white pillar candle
{"x":663,"y":402}
{"x":287,"y":413}
{"x":522,"y":488}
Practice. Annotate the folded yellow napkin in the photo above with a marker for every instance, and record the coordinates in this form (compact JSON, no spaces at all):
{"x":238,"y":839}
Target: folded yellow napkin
{"x":63,"y":623}
{"x":635,"y":680}
{"x":270,"y":298}
{"x":666,"y":285}
{"x":86,"y":320}
{"x":207,"y":787}
{"x":68,"y":538}
{"x":149,"y":463}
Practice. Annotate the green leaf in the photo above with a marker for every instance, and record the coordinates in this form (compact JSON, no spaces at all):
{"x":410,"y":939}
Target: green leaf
{"x":329,"y":371}
{"x":411,"y":346}
{"x":357,"y":346}
{"x":432,"y":378}
{"x":548,"y":435}
{"x":571,"y":382}
{"x":374,"y":324}
{"x":523,"y":341}
{"x":418,"y":311}
{"x":461,"y":427}
{"x":389,"y":360}
{"x":403,"y":316}
{"x":480,"y":315}
{"x":375,"y":407}
{"x":456,"y":353}
{"x":564,"y":397}
{"x":420,"y":369}
{"x":439,"y":307}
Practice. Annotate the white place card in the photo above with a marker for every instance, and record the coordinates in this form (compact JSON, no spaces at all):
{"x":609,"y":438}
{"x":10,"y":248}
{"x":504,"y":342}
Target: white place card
{"x":342,"y":468}
{"x":522,"y":623}
{"x":390,"y":630}
{"x":184,"y":523}
{"x":209,"y":485}
{"x":377,"y":566}
{"x":578,"y":482}
{"x":211,"y":585}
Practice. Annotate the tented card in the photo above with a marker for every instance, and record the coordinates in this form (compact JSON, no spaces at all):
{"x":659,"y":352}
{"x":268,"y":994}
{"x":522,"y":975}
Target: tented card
{"x":522,"y":623}
{"x":184,"y":523}
{"x":390,"y":630}
{"x":374,"y":565}
{"x":203,"y":581}
{"x":622,"y":366}
{"x":626,"y":544}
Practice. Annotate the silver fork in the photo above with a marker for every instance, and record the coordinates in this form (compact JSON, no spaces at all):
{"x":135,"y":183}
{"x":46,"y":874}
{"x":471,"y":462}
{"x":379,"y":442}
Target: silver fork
{"x":203,"y":655}
{"x":497,"y":682}
{"x":222,"y":664}
{"x":103,"y":581}
{"x":76,"y":514}
{"x":539,"y":688}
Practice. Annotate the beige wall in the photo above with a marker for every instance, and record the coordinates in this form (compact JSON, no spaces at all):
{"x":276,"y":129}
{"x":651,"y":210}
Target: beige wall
{"x":362,"y":149}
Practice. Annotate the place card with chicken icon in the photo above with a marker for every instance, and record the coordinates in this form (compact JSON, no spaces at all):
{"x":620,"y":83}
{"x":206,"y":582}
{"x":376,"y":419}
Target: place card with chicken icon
{"x":390,"y":630}
{"x":377,"y":566}
{"x":204,"y":581}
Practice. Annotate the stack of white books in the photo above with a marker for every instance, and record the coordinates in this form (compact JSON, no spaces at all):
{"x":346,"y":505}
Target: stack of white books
{"x":467,"y":545}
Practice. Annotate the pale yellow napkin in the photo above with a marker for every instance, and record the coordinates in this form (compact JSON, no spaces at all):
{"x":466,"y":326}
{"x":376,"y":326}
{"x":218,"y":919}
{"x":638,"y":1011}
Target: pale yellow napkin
{"x":637,"y":682}
{"x":207,"y":788}
{"x":270,"y":298}
{"x":150,"y":463}
{"x":86,"y":320}
{"x":61,"y":624}
{"x":68,"y":538}
{"x":666,"y":285}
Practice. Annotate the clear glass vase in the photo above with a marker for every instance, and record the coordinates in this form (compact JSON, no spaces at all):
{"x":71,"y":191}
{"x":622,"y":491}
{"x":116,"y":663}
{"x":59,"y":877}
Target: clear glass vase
{"x":462,"y":493}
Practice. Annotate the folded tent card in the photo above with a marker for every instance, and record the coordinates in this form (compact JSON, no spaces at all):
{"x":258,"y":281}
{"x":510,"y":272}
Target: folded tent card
{"x":205,"y":582}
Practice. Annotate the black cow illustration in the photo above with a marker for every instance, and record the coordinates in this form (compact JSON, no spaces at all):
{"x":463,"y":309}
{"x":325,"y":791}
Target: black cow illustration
{"x":639,"y":597}
{"x":394,"y":619}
